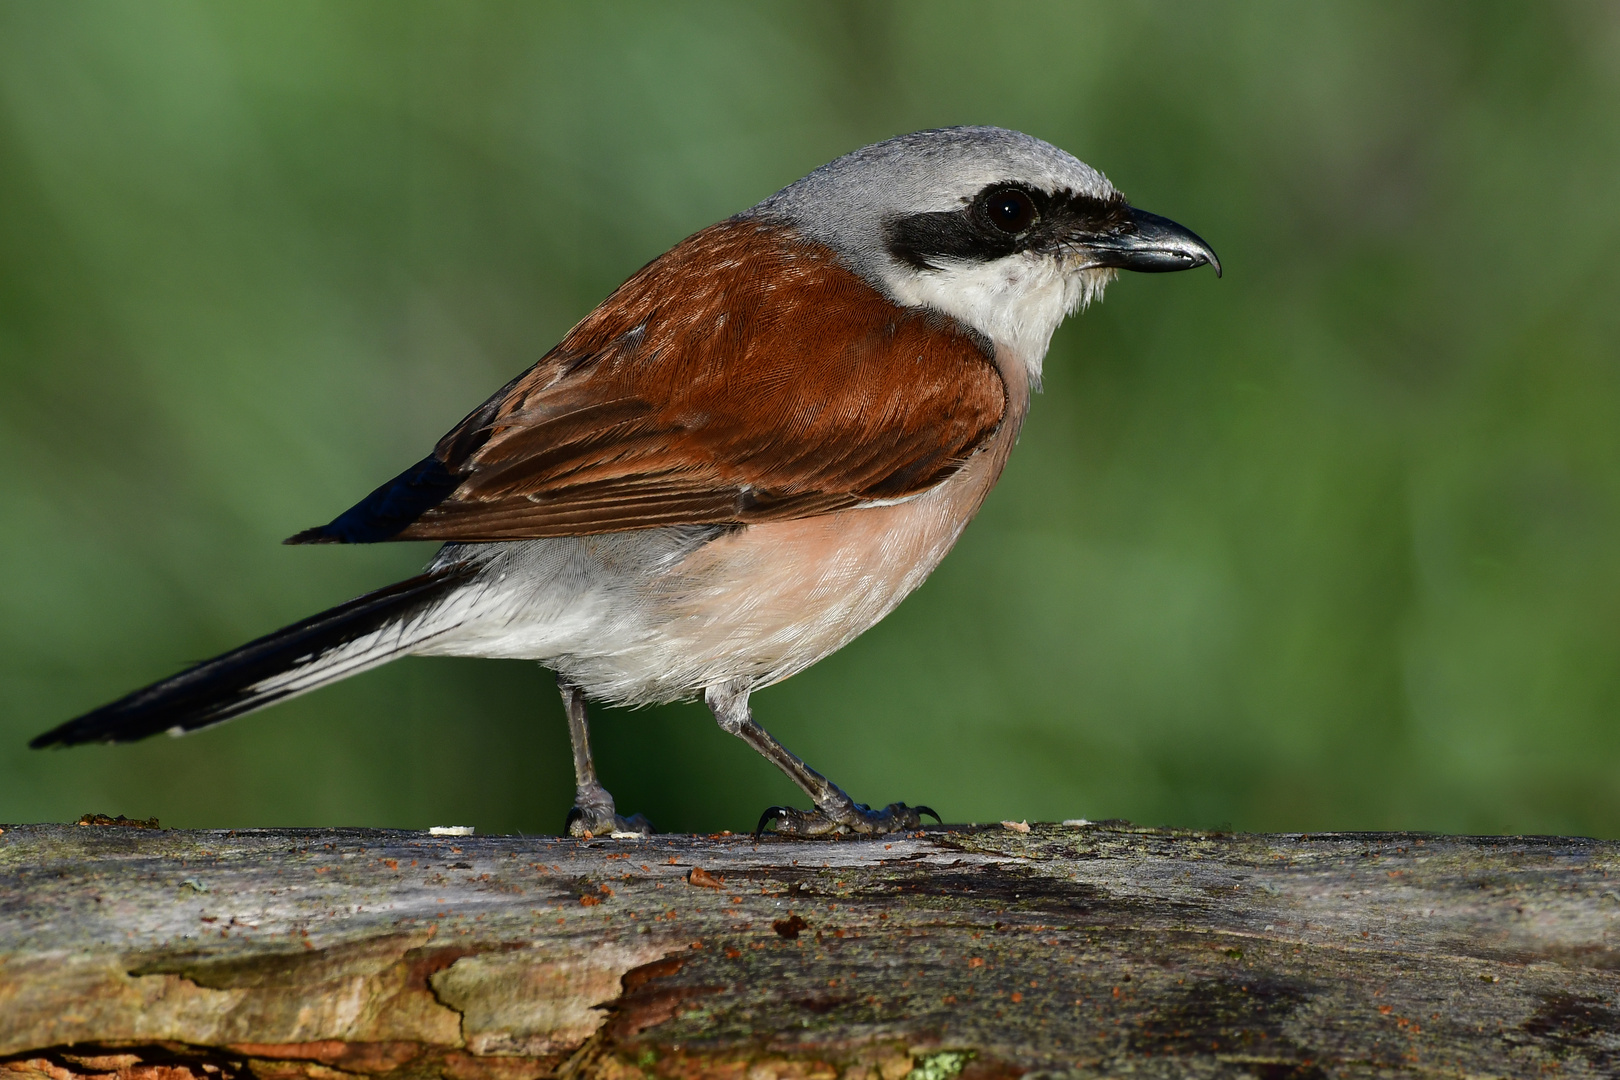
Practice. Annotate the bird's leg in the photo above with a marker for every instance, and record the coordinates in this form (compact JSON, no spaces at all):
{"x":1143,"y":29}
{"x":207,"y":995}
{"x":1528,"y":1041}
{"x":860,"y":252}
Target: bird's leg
{"x":593,"y":813}
{"x":835,"y":812}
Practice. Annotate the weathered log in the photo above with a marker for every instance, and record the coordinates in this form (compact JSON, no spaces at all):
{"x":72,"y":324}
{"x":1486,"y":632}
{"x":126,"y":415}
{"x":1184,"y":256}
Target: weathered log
{"x":1090,"y":950}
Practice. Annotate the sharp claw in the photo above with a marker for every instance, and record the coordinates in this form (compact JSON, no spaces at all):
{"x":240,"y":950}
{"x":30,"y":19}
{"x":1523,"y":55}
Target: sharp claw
{"x":771,"y":815}
{"x":930,"y":811}
{"x":574,"y":814}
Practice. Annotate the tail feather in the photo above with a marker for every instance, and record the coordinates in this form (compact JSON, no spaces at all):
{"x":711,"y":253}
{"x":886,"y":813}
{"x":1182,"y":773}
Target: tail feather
{"x":321,"y":649}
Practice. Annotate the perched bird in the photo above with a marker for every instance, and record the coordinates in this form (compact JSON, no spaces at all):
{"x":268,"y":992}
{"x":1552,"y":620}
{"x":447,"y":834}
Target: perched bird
{"x":747,"y":455}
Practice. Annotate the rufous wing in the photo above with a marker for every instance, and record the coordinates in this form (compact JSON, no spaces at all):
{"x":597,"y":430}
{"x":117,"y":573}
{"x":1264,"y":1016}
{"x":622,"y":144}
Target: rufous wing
{"x":744,"y":376}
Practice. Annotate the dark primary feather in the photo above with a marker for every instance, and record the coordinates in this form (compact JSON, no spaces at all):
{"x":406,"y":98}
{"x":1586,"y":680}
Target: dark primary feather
{"x":383,"y":513}
{"x":745,"y":376}
{"x":219,"y":689}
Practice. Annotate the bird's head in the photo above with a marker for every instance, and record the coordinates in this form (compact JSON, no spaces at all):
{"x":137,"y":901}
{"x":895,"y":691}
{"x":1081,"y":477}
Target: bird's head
{"x":995,"y":228}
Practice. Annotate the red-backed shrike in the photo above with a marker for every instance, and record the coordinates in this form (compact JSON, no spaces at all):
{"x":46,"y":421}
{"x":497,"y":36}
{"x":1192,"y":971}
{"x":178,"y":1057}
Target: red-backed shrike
{"x":744,"y":457}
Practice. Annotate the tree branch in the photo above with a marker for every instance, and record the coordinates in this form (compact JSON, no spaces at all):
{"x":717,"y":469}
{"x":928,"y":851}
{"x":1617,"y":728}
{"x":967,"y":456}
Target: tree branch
{"x":283,"y":954}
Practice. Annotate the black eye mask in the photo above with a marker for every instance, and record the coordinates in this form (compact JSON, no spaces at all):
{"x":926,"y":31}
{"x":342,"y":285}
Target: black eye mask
{"x":1003,"y":220}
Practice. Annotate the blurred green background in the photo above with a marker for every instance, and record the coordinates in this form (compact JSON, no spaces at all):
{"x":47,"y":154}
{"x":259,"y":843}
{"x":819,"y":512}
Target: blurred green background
{"x":1330,"y":543}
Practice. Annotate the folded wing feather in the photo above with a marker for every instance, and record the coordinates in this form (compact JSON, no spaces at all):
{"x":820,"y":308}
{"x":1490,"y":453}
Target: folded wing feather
{"x":744,"y":376}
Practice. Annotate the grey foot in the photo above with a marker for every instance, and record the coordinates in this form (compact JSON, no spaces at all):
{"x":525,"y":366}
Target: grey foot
{"x":602,"y":821}
{"x":855,"y":818}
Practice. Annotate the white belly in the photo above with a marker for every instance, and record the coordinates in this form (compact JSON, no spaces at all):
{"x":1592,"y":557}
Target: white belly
{"x":657,"y":615}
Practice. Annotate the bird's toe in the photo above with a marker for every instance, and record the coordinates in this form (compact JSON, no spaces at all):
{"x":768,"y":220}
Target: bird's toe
{"x":636,"y":824}
{"x":587,"y":822}
{"x":854,"y":819}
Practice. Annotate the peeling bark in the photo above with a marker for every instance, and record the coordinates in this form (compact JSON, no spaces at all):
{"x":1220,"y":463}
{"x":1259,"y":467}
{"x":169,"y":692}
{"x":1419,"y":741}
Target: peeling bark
{"x":129,"y":953}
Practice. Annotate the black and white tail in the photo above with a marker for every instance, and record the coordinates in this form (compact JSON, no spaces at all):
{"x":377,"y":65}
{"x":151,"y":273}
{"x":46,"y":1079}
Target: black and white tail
{"x":321,"y":649}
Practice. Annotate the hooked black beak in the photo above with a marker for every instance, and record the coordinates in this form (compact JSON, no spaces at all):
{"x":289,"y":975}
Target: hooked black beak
{"x":1150,"y":244}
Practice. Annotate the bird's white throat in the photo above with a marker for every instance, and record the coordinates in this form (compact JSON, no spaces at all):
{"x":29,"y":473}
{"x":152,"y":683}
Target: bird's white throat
{"x":1017,"y":302}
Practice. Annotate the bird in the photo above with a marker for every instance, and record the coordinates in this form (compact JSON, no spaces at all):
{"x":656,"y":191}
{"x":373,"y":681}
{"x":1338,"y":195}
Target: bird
{"x":747,"y":455}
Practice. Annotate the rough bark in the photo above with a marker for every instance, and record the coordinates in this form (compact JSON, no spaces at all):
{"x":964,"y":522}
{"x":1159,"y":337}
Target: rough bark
{"x":1089,"y":950}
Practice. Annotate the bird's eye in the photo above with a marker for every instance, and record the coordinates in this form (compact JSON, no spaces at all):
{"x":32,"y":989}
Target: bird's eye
{"x":1010,"y":210}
